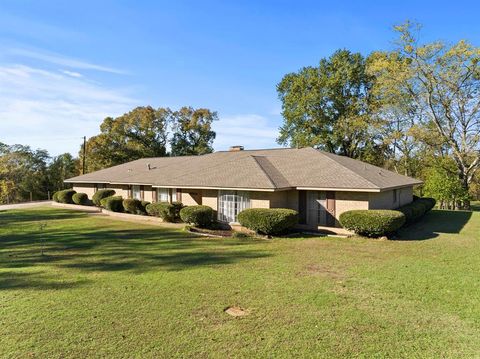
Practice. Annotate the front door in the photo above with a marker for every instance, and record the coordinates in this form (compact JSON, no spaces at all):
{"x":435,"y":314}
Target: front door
{"x":320,"y":208}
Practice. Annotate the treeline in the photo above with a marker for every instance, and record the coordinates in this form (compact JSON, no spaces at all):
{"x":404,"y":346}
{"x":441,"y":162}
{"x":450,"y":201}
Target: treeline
{"x":27,"y":174}
{"x":414,"y":110}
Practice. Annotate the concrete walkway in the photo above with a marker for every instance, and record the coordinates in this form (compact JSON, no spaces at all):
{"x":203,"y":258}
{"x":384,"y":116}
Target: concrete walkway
{"x":4,"y":207}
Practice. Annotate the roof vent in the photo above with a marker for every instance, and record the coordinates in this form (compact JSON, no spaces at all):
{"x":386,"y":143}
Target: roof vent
{"x":148,"y":166}
{"x":236,"y":148}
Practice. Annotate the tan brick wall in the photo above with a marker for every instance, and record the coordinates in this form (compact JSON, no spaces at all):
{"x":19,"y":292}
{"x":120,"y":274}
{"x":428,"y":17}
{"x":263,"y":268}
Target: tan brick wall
{"x":209,"y":198}
{"x":147,"y":194}
{"x":406,"y":195}
{"x":384,"y":200}
{"x":191,"y":198}
{"x":346,"y":201}
{"x":260,"y":199}
{"x":120,"y":189}
{"x":87,"y":188}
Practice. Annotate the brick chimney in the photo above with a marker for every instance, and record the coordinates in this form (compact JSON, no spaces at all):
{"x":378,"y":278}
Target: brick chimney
{"x":236,"y":148}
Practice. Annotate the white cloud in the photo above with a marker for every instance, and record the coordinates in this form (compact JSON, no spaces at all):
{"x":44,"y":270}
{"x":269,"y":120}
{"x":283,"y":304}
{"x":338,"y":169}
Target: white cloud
{"x":72,"y":73}
{"x":51,"y":110}
{"x":57,"y":59}
{"x":250,"y":130}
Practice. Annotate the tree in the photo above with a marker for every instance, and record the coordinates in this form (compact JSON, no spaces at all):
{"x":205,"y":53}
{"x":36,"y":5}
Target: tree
{"x":330,"y":107}
{"x":23,"y":173}
{"x":446,"y":189}
{"x":192,"y":131}
{"x":139,"y":133}
{"x":443,"y":83}
{"x":61,"y":167}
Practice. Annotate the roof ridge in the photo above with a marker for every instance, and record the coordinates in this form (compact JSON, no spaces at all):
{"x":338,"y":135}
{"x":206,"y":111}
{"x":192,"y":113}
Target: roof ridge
{"x":324,"y":153}
{"x":263,"y":170}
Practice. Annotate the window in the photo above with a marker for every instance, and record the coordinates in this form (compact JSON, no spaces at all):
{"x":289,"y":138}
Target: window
{"x":174,"y":195}
{"x":136,"y":194}
{"x":162,"y":194}
{"x":231,"y":203}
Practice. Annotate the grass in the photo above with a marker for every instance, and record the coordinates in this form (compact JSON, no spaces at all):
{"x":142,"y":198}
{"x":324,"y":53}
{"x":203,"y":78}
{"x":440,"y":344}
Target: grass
{"x":107,"y":288}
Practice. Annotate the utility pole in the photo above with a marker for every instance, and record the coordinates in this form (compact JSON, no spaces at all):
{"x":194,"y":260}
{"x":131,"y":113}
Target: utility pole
{"x":84,"y":153}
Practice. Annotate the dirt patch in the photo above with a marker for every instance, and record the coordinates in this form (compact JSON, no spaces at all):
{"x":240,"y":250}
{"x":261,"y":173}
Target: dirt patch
{"x":236,"y":311}
{"x":212,"y":232}
{"x":324,"y":271}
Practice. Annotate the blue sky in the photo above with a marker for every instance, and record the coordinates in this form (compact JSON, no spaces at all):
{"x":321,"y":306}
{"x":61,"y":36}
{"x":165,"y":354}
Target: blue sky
{"x":66,"y":65}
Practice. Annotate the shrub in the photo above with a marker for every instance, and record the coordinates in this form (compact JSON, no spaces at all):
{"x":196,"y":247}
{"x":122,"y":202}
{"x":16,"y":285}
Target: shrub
{"x":415,"y":210}
{"x":55,"y":197}
{"x":132,"y":205}
{"x":372,"y":223}
{"x":177,"y":207}
{"x":80,"y":198}
{"x":144,"y":205}
{"x":164,"y":210}
{"x":113,"y":203}
{"x":268,"y":220}
{"x":240,"y":235}
{"x":65,"y":196}
{"x":200,"y":216}
{"x":101,"y":194}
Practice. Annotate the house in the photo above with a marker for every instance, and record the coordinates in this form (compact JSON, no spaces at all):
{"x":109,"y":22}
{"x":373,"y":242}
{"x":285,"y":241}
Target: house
{"x":319,"y":185}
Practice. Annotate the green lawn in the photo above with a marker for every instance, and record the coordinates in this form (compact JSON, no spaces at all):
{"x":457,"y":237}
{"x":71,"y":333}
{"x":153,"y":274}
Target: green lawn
{"x":106,"y":288}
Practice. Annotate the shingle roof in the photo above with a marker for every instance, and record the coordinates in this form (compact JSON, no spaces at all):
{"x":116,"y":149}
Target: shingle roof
{"x":253,"y":169}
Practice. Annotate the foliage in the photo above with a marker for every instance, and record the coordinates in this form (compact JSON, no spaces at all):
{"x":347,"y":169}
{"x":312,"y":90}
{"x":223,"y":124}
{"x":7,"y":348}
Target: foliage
{"x":144,"y":205}
{"x":371,"y":222}
{"x":132,"y":206}
{"x":55,"y":197}
{"x":200,"y":215}
{"x":417,"y":209}
{"x":24,"y":172}
{"x":139,"y":133}
{"x":65,"y":196}
{"x":177,"y":207}
{"x":61,"y":168}
{"x":80,"y":198}
{"x":7,"y":188}
{"x":164,"y":210}
{"x":441,"y":83}
{"x":268,"y":220}
{"x":192,"y":131}
{"x":330,"y":107}
{"x":101,"y":194}
{"x":445,"y":188}
{"x":113,"y":203}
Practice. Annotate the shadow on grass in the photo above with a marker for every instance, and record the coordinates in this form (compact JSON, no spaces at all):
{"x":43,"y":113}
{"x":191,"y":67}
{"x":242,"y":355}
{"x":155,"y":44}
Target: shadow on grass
{"x":85,"y":246}
{"x":434,"y":223}
{"x":12,"y":280}
{"x":19,"y":216}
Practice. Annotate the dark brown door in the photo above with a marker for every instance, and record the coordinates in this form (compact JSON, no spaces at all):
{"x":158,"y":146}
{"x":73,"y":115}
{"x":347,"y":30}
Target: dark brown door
{"x":331,"y":209}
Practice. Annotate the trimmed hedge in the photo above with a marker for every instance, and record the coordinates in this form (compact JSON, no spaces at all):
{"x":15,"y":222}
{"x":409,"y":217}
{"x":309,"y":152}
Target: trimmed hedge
{"x":177,"y":207}
{"x":80,"y":198}
{"x":372,"y":222}
{"x":65,"y":196}
{"x":164,"y":210}
{"x":55,"y":197}
{"x":101,"y":194}
{"x":417,"y":209}
{"x":200,"y":216}
{"x":113,"y":203}
{"x":144,"y":205}
{"x":268,"y":220}
{"x":132,"y":205}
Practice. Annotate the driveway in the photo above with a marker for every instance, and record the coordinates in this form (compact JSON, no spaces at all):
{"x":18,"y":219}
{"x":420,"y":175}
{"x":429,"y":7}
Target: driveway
{"x":4,"y":207}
